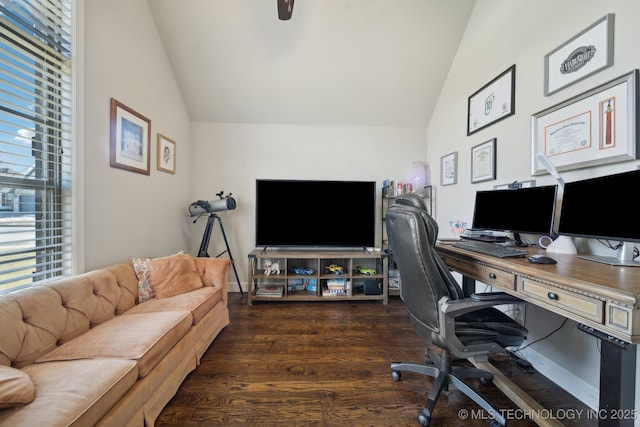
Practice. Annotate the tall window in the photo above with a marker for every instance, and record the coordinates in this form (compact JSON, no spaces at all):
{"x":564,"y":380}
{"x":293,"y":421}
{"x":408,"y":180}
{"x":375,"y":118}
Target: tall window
{"x":35,"y":141}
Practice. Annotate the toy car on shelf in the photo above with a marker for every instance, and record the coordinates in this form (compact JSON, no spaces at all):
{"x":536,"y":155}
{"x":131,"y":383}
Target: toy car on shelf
{"x":365,"y":270}
{"x":333,"y":268}
{"x":301,"y":270}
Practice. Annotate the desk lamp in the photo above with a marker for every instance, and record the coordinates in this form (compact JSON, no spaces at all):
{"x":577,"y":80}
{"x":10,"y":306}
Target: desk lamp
{"x":562,"y":244}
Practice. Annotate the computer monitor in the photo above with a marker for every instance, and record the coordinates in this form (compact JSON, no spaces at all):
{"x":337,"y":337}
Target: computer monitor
{"x":603,"y":208}
{"x":526,"y":210}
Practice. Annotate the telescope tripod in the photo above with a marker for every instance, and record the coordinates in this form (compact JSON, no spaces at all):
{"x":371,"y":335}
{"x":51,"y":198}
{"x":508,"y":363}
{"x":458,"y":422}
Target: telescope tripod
{"x":205,"y":244}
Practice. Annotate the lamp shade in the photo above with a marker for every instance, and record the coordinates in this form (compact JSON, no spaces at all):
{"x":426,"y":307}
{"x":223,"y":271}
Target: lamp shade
{"x":418,"y":177}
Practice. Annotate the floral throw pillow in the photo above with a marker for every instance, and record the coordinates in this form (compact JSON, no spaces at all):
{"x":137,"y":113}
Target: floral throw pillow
{"x":145,"y":290}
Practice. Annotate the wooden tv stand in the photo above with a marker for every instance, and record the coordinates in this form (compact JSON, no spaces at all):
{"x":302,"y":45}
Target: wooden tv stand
{"x":312,"y":281}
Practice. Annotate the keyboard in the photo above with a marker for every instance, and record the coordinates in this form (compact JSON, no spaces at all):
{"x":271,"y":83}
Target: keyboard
{"x":491,"y":249}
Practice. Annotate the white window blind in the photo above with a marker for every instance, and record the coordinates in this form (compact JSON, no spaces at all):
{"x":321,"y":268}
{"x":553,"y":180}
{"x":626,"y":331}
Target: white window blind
{"x":35,"y":141}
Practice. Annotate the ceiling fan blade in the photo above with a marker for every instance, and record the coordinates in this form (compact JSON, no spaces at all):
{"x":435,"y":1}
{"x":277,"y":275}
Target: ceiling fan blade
{"x":285,"y":9}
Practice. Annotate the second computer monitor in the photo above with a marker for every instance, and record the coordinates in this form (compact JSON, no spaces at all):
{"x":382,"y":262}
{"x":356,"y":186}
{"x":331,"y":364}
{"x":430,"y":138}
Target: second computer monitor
{"x":528,"y":210}
{"x":604,"y":208}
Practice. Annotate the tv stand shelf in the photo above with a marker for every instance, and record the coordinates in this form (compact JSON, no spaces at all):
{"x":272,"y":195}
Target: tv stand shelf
{"x":303,"y":276}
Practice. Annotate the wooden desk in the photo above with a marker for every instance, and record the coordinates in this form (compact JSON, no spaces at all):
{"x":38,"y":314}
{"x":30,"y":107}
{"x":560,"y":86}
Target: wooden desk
{"x":603,"y":300}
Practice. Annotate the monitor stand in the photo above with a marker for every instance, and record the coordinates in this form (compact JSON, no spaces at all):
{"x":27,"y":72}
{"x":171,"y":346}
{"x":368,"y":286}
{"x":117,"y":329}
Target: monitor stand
{"x":518,"y":240}
{"x":624,"y":258}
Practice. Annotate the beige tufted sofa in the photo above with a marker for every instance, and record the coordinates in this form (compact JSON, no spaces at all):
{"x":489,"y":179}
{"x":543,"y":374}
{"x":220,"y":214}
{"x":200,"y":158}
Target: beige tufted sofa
{"x":83,"y":351}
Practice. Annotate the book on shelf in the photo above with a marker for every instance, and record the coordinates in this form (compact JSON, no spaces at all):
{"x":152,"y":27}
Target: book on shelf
{"x":270,"y":291}
{"x":327,"y":292}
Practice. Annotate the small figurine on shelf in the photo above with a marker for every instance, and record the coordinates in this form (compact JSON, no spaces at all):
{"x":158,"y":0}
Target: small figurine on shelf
{"x":457,"y":227}
{"x":271,"y":267}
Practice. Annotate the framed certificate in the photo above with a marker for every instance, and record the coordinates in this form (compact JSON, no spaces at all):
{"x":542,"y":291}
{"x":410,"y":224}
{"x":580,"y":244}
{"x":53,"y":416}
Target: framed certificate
{"x":495,"y":101}
{"x":483,"y":161}
{"x":597,"y":127}
{"x":585,"y":54}
{"x":449,"y":169}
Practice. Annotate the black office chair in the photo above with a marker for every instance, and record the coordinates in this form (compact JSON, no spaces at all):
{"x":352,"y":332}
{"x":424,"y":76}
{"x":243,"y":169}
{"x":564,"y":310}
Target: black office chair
{"x":461,"y":327}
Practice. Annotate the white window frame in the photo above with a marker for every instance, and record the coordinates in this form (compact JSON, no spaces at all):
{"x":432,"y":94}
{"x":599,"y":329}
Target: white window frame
{"x":45,"y":253}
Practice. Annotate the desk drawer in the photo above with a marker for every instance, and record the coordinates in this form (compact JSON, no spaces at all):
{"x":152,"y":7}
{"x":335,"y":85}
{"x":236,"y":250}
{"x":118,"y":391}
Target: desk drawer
{"x":483,"y":273}
{"x":577,"y":304}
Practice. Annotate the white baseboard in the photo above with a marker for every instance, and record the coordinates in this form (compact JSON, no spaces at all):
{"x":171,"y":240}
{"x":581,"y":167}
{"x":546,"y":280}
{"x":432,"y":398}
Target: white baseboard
{"x":581,"y":390}
{"x":233,"y":287}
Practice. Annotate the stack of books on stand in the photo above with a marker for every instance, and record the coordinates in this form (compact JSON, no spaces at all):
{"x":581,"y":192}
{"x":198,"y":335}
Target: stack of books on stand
{"x":336,"y":287}
{"x":274,"y":291}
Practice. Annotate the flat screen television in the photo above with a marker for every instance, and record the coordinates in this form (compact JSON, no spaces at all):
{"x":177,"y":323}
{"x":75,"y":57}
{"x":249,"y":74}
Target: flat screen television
{"x":315,"y":213}
{"x":603,"y":208}
{"x":526,"y":210}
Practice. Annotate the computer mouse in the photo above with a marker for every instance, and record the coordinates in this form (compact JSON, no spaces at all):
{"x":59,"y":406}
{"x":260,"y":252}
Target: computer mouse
{"x":541,"y":259}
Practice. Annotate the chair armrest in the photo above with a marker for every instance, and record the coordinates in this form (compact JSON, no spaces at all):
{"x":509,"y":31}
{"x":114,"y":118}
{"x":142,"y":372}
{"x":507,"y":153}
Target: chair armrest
{"x":449,"y":309}
{"x":454,"y":308}
{"x":496,"y":296}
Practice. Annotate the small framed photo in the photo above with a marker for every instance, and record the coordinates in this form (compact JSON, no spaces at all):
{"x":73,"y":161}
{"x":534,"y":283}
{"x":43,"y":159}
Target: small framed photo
{"x":130,"y":139}
{"x":449,"y":169}
{"x":483,"y":162}
{"x":585,"y":54}
{"x":166,"y":154}
{"x":495,"y":101}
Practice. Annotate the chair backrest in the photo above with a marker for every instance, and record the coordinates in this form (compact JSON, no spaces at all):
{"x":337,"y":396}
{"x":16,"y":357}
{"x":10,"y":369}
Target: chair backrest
{"x":412,"y":200}
{"x":412,"y":234}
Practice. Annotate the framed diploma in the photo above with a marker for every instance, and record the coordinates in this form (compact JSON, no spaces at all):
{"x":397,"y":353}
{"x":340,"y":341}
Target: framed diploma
{"x":597,"y":127}
{"x":449,"y":169}
{"x":493,"y":102}
{"x":483,"y":161}
{"x":587,"y":53}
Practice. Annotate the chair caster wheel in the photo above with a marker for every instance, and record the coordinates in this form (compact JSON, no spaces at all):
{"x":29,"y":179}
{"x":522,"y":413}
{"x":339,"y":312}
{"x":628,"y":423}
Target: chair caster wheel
{"x":425,"y":420}
{"x":486,"y":381}
{"x":395,"y":375}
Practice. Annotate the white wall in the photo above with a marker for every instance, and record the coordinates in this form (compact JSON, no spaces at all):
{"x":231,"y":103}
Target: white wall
{"x":230,"y":157}
{"x":128,"y":214}
{"x":501,"y":33}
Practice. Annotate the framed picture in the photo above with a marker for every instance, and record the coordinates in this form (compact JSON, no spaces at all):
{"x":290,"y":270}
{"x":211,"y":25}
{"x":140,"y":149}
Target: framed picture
{"x":584,"y":54}
{"x":494,"y":102}
{"x":166,"y":154}
{"x":449,"y":169}
{"x":483,"y":161}
{"x":130,"y":139}
{"x":596,"y":127}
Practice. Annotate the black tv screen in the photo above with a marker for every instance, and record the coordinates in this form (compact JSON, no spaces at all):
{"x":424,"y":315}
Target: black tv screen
{"x":315,"y":213}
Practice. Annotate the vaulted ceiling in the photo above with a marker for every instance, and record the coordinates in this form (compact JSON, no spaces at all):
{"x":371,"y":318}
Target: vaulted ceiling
{"x":335,"y":62}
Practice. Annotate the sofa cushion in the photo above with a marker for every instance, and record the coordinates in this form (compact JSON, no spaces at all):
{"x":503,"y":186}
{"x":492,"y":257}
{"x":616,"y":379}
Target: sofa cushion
{"x":16,"y":388}
{"x":174,"y":275}
{"x":143,"y":337}
{"x":73,"y":393}
{"x":199,"y":302}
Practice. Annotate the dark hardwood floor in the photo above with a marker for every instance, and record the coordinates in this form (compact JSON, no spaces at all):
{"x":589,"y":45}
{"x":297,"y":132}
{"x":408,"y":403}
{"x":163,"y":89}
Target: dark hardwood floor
{"x":327,"y":364}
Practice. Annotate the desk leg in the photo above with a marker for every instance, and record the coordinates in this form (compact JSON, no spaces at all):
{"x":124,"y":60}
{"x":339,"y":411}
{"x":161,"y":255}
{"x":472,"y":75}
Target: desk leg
{"x":468,"y":286}
{"x":617,"y":385}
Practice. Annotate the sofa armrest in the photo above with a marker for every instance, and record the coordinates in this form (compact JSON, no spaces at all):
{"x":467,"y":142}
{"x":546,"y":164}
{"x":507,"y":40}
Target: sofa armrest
{"x":214,"y":272}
